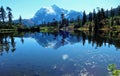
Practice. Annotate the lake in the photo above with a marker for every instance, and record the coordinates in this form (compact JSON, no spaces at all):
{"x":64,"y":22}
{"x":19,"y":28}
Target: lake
{"x":58,"y":54}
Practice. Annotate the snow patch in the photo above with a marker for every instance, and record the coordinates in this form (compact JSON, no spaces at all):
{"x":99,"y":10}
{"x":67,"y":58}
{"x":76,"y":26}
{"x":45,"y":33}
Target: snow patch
{"x":50,"y":10}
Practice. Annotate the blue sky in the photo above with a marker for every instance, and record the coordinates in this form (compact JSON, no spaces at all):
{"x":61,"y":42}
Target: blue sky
{"x":27,"y":8}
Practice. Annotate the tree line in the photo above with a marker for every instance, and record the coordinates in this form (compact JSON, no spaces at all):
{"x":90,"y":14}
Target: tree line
{"x":98,"y":18}
{"x":94,"y":20}
{"x":6,"y":16}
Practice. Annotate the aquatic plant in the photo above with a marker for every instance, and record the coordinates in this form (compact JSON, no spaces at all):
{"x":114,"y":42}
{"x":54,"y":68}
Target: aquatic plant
{"x":112,"y":68}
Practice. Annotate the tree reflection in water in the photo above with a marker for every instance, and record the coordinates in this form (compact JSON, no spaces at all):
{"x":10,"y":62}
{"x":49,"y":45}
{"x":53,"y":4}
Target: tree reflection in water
{"x":96,"y":38}
{"x":5,"y":44}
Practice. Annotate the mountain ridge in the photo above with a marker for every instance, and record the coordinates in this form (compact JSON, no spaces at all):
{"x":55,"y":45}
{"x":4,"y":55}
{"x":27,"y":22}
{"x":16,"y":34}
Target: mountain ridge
{"x":47,"y":14}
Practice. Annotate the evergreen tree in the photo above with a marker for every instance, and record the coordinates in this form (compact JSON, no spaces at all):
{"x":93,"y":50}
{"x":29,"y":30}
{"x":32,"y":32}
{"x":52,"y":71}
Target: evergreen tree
{"x":84,"y":19}
{"x":112,"y":12}
{"x":20,"y":20}
{"x":118,"y":10}
{"x":90,"y":17}
{"x":102,"y":14}
{"x":96,"y":19}
{"x":55,"y":22}
{"x":62,"y":17}
{"x":63,"y":21}
{"x":78,"y":21}
{"x":9,"y":15}
{"x":94,"y":14}
{"x":99,"y":16}
{"x":107,"y":14}
{"x":3,"y":14}
{"x":112,"y":15}
{"x":0,"y":14}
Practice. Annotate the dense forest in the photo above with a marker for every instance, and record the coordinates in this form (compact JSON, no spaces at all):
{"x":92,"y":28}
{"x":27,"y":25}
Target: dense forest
{"x":99,"y":19}
{"x":96,"y":20}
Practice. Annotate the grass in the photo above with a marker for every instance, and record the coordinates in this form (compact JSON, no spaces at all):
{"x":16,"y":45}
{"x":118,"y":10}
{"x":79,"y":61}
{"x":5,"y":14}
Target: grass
{"x":83,"y":29}
{"x":52,"y":29}
{"x":48,"y":29}
{"x":7,"y":30}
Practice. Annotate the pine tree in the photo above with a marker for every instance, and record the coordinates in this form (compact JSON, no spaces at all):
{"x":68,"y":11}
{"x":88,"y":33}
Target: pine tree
{"x":107,"y":14}
{"x":118,"y":10}
{"x":55,"y":22}
{"x":112,"y":12}
{"x":90,"y":17}
{"x":96,"y":19}
{"x":112,"y":15}
{"x":62,"y":17}
{"x":78,"y":21}
{"x":3,"y":14}
{"x":63,"y":21}
{"x":0,"y":14}
{"x":9,"y":15}
{"x":84,"y":18}
{"x":102,"y":14}
{"x":94,"y":14}
{"x":20,"y":20}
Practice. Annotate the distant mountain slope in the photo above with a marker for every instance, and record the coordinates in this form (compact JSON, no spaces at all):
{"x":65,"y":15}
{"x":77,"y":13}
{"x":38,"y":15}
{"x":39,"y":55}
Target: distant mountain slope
{"x":46,"y":14}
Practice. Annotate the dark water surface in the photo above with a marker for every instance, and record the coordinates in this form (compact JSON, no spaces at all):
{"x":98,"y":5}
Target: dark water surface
{"x":58,"y":54}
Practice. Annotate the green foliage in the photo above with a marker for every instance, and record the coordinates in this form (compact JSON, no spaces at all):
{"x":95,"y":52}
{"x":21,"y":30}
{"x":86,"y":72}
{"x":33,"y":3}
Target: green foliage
{"x":102,"y":19}
{"x":3,"y":14}
{"x":112,"y":68}
{"x":9,"y":15}
{"x":116,"y":73}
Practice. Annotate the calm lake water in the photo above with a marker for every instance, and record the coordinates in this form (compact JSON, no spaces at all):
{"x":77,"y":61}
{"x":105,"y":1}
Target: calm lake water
{"x":58,"y":54}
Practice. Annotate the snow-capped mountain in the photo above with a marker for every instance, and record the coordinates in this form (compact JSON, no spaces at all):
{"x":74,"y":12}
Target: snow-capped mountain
{"x":47,"y":14}
{"x":54,"y":41}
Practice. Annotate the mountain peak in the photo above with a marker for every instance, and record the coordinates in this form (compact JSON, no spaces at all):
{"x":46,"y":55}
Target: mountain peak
{"x":46,"y":14}
{"x":49,"y":10}
{"x":54,"y":6}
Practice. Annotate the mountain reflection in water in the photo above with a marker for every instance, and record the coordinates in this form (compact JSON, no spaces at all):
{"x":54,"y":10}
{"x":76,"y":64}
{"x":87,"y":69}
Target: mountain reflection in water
{"x":59,"y":54}
{"x":56,"y":40}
